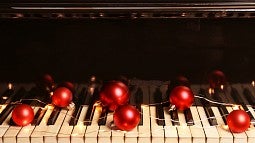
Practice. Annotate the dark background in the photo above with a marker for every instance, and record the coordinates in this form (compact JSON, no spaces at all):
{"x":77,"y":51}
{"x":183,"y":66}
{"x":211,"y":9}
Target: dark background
{"x":146,"y":49}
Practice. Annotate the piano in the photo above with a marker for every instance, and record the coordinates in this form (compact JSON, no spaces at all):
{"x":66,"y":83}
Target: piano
{"x":148,"y":41}
{"x":89,"y":122}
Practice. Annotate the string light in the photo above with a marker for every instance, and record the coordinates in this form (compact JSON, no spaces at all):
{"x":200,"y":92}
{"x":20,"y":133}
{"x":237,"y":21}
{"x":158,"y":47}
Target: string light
{"x":80,"y":124}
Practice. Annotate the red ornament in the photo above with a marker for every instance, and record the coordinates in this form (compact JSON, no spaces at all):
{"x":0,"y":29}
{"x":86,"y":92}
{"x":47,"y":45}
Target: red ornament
{"x":68,"y":85}
{"x":126,"y":117}
{"x":182,"y":80}
{"x":182,"y":97}
{"x":62,"y":97}
{"x":46,"y":82}
{"x":113,"y":94}
{"x":22,"y":114}
{"x":238,"y":121}
{"x":216,"y":79}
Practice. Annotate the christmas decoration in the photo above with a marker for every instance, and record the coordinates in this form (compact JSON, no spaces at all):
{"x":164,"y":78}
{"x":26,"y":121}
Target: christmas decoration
{"x":113,"y":94}
{"x":62,"y":97}
{"x":238,"y":121}
{"x":216,"y":79}
{"x":181,"y":97}
{"x":126,"y":117}
{"x":68,"y":85}
{"x":22,"y":115}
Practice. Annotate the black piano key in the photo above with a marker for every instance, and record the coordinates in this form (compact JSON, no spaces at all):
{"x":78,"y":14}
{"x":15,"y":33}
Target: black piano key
{"x":5,"y":113}
{"x":207,"y":107}
{"x":91,"y":108}
{"x":19,"y":95}
{"x":236,"y":96}
{"x":103,"y":117}
{"x":224,"y":112}
{"x":138,"y":102}
{"x":175,"y":118}
{"x":7,"y":94}
{"x":80,"y":100}
{"x":159,"y":107}
{"x":53,"y":116}
{"x":248,"y":95}
{"x":38,"y":116}
{"x":188,"y":117}
{"x":220,"y":95}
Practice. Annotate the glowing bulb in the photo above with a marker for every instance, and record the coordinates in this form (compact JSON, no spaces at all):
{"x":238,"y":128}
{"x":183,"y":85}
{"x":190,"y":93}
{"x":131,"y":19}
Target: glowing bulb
{"x":93,"y":78}
{"x":222,"y":87}
{"x":253,"y":83}
{"x":211,"y":90}
{"x":10,"y":86}
{"x":51,"y":93}
{"x":225,"y":127}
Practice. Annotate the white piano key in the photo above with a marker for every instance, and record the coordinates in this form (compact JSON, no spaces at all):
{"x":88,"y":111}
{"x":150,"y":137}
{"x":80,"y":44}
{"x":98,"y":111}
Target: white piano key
{"x":225,"y":135}
{"x":171,"y":135}
{"x":39,"y":131}
{"x":11,"y":133}
{"x":183,"y":130}
{"x":197,"y":132}
{"x":251,"y":131}
{"x":238,"y":137}
{"x":157,"y":132}
{"x":4,"y":127}
{"x":131,"y":136}
{"x":104,"y":134}
{"x":144,"y":131}
{"x":24,"y":134}
{"x":50,"y":135}
{"x":66,"y":130}
{"x":78,"y":132}
{"x":2,"y":107}
{"x":92,"y":130}
{"x":211,"y":133}
{"x":117,"y":135}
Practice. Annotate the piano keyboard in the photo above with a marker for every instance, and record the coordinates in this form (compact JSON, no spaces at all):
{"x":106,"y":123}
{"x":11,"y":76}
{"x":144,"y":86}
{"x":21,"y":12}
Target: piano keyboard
{"x":203,"y":122}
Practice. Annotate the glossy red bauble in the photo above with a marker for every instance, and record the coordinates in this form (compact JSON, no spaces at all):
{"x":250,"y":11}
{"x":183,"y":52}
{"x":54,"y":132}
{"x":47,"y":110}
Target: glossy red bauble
{"x":238,"y":121}
{"x":68,"y":85}
{"x":182,"y":80}
{"x":113,"y":94}
{"x":182,"y":97}
{"x":126,"y":117}
{"x":216,"y":79}
{"x":62,"y":97}
{"x":22,"y":115}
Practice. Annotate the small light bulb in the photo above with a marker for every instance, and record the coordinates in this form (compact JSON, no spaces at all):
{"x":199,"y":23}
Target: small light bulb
{"x":211,"y":91}
{"x":253,"y":83}
{"x":10,"y":86}
{"x":222,"y":87}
